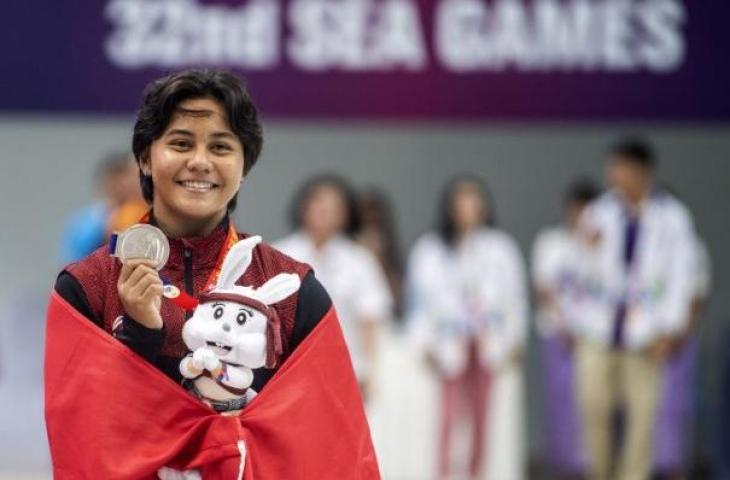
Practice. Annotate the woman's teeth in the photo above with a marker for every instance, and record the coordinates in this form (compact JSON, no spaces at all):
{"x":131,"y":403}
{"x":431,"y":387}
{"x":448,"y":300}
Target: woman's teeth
{"x":197,"y":185}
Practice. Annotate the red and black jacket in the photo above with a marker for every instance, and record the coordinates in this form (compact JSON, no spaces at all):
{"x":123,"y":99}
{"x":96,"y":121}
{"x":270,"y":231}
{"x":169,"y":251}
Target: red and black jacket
{"x":90,"y":286}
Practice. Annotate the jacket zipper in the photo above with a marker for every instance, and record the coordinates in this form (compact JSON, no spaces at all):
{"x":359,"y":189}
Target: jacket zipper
{"x":188,"y":265}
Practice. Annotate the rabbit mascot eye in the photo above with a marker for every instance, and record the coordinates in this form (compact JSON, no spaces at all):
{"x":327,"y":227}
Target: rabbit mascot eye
{"x":233,"y":331}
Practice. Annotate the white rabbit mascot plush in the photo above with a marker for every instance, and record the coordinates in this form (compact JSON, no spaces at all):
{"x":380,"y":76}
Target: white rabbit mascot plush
{"x":232,"y":331}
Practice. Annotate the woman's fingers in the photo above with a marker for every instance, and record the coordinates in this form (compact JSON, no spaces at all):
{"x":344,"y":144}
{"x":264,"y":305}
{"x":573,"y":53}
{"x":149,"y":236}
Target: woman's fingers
{"x":134,"y":275}
{"x":140,"y":290}
{"x":153,"y":291}
{"x":139,"y":287}
{"x":140,"y":272}
{"x":135,"y":279}
{"x":130,"y":267}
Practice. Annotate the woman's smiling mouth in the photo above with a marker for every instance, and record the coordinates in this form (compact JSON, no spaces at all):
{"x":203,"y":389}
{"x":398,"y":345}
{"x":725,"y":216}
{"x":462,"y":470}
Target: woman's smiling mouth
{"x":197,"y":186}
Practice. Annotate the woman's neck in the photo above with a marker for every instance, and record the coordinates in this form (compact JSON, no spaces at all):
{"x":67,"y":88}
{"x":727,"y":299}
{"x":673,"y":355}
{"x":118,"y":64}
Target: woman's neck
{"x":175,"y":227}
{"x":465,"y":231}
{"x":319,"y":240}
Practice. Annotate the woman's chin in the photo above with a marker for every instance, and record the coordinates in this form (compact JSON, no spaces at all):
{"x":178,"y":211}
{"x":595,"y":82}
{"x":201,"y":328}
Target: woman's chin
{"x":202,"y":206}
{"x":200,"y":212}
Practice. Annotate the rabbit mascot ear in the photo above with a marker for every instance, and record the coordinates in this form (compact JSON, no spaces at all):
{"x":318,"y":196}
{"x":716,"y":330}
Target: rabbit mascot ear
{"x":278,"y":288}
{"x":237,"y":261}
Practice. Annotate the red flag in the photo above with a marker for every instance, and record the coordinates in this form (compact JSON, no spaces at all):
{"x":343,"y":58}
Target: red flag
{"x":111,"y":415}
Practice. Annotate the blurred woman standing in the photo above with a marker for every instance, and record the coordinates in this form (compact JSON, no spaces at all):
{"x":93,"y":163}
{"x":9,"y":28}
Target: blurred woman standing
{"x":468,"y":309}
{"x":325,"y":215}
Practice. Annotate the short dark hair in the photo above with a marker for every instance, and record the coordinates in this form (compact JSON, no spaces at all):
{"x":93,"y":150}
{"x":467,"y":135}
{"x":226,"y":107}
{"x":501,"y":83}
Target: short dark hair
{"x":582,"y":190}
{"x":162,"y":98}
{"x":446,"y":226}
{"x":301,"y":198}
{"x":636,"y":150}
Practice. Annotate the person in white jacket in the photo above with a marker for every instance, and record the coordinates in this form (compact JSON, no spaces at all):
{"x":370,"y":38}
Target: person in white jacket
{"x":467,"y":308}
{"x":554,"y":275}
{"x":673,"y":437}
{"x":637,"y":280}
{"x":325,"y":215}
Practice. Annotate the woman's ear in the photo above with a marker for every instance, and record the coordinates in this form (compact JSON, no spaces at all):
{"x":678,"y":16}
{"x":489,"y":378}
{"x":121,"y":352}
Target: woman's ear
{"x":144,"y":164}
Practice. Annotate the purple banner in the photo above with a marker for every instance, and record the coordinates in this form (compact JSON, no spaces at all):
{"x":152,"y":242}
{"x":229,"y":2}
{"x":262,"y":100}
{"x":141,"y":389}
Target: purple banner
{"x":524,"y":60}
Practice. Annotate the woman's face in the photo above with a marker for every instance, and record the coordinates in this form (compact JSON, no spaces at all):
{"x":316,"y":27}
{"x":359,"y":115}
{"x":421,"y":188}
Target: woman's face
{"x":197,"y":163}
{"x":468,"y":208}
{"x":325,"y":212}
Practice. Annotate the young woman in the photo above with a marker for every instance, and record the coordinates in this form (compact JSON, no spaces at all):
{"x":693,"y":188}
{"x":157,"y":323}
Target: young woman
{"x":196,"y":137}
{"x":468,"y":307}
{"x":325,"y":216}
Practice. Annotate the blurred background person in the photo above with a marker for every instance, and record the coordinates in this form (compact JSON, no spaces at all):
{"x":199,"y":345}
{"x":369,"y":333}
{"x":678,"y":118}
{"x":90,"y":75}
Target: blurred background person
{"x":638,"y":280}
{"x":675,"y":431}
{"x":127,"y":213}
{"x":554,"y":276}
{"x":118,"y":194}
{"x":377,"y":233}
{"x":467,"y":308}
{"x":324,"y":213}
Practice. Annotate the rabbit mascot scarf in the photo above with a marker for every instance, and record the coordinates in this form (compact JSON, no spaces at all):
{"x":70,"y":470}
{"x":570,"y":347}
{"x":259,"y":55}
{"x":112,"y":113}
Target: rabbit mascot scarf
{"x":111,"y":415}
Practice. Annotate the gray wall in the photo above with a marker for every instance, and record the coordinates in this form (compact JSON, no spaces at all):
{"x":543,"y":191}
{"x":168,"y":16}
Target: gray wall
{"x":47,"y":165}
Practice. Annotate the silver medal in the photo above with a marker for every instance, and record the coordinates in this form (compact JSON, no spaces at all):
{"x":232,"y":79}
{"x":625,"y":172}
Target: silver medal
{"x":143,"y":241}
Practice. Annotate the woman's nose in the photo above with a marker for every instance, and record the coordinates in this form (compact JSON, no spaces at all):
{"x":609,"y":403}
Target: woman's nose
{"x":200,"y":162}
{"x":226,"y":327}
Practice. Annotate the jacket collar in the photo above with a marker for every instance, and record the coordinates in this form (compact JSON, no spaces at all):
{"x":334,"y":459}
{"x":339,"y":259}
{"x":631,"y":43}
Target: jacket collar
{"x":203,"y":249}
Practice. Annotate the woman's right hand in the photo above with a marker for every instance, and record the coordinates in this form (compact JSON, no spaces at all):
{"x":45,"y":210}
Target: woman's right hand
{"x":140,"y":291}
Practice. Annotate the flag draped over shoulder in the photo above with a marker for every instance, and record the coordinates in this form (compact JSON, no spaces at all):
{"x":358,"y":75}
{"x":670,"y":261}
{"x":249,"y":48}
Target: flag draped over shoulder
{"x":111,"y":415}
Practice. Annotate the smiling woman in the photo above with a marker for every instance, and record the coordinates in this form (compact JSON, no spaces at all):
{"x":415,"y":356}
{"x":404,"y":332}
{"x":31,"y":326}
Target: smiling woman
{"x":196,"y":137}
{"x":197,"y":170}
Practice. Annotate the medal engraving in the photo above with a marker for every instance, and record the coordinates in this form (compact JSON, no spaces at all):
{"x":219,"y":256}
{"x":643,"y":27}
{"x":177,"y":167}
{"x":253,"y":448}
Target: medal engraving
{"x":143,"y":241}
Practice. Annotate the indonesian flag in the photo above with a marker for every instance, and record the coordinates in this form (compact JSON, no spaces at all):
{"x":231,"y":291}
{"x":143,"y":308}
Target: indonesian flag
{"x":111,"y":415}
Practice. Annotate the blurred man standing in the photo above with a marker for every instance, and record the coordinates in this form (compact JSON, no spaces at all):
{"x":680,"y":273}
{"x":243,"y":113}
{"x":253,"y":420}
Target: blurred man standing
{"x":637,"y":284}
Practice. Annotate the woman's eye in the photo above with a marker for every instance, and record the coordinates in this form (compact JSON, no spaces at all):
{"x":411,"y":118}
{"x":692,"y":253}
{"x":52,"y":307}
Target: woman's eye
{"x":180,"y":144}
{"x":241,"y":318}
{"x":221,"y":148}
{"x":218,"y":313}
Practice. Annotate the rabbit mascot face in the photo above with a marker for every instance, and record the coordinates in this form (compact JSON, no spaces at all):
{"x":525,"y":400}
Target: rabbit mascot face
{"x":233,"y":331}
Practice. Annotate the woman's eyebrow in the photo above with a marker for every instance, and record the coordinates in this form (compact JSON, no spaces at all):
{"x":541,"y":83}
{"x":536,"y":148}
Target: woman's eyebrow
{"x":247,"y":311}
{"x":222,"y":135}
{"x":179,"y":131}
{"x":217,"y":304}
